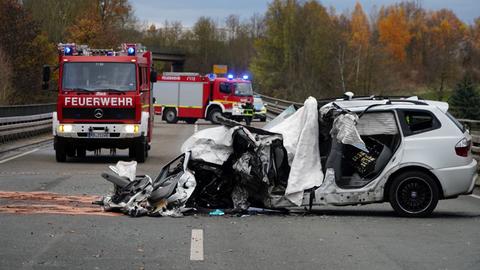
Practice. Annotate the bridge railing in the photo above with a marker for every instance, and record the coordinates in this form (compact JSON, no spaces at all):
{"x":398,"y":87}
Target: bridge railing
{"x":275,"y":106}
{"x":23,"y":121}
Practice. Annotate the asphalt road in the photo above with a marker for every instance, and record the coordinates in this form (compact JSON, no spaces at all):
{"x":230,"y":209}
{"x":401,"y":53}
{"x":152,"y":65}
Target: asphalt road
{"x":366,"y":237}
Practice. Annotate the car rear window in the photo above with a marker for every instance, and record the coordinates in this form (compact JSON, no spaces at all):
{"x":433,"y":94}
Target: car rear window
{"x":417,"y":121}
{"x":456,"y":122}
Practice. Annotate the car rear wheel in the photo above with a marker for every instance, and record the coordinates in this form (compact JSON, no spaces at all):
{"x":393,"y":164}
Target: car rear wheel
{"x":171,"y":116}
{"x":413,"y":194}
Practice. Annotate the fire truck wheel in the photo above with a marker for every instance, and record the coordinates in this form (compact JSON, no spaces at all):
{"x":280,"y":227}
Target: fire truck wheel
{"x":171,"y":116}
{"x":140,"y":151}
{"x":191,"y":120}
{"x":81,"y":152}
{"x":214,"y":114}
{"x":60,"y":153}
{"x":70,"y":150}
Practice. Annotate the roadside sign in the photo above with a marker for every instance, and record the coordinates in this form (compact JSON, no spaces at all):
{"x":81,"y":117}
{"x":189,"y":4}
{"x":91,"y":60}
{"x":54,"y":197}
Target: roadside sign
{"x":220,"y":69}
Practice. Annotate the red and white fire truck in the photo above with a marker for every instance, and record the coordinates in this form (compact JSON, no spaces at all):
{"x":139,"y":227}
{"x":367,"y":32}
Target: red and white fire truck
{"x":104,"y":100}
{"x":191,"y":96}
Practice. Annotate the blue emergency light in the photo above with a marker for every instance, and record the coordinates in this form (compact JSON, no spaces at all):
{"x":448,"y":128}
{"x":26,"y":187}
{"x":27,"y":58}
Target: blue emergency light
{"x":230,"y":76}
{"x":245,"y":77}
{"x":131,"y":51}
{"x":211,"y":76}
{"x":67,"y":51}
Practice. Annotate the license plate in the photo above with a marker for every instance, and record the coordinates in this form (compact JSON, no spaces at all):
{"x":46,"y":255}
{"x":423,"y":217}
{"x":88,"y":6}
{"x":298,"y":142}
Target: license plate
{"x":98,"y":135}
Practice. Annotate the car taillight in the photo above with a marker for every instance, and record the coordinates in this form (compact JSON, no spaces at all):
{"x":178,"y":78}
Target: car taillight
{"x":463,"y":147}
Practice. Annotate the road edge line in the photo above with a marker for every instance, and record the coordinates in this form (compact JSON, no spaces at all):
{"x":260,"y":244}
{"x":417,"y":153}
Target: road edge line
{"x":19,"y":155}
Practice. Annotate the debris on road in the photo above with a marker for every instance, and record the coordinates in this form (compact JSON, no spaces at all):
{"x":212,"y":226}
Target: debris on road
{"x":228,"y":167}
{"x":310,"y":156}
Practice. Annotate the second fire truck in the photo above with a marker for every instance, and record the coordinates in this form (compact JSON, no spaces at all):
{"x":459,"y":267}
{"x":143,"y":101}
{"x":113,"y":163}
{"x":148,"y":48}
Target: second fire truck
{"x":191,"y":96}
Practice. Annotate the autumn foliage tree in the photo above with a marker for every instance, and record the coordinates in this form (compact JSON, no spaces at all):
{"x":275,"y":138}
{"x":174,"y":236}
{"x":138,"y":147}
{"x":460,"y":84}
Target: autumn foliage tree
{"x":25,"y":49}
{"x":447,"y":35}
{"x":297,"y":48}
{"x":359,"y":38}
{"x":101,"y":23}
{"x":297,"y":52}
{"x":394,"y":31}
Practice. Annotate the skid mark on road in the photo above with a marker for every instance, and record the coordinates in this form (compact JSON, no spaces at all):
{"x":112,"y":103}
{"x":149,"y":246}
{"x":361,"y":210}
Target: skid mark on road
{"x":15,"y":202}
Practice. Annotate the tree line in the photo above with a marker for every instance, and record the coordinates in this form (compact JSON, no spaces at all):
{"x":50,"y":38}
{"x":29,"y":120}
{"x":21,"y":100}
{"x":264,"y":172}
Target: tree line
{"x":297,"y":48}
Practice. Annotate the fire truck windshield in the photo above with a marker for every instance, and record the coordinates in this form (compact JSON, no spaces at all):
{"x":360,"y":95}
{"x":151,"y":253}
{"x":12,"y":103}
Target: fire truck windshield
{"x":98,"y":76}
{"x":243,"y":89}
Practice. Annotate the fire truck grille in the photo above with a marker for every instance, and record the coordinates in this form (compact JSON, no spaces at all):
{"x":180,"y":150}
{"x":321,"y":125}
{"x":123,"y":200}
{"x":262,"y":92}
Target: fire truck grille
{"x":94,"y":114}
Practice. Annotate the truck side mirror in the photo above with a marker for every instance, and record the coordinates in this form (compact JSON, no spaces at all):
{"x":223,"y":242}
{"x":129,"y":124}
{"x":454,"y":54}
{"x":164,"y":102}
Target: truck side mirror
{"x":153,"y":76}
{"x":46,"y":77}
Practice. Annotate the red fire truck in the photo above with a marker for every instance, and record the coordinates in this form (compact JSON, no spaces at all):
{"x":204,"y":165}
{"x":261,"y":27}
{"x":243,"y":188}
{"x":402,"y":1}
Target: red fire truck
{"x":191,"y":96}
{"x":104,"y":100}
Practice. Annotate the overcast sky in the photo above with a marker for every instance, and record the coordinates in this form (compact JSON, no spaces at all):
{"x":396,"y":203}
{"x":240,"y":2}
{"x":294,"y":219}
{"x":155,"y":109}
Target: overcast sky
{"x":188,"y":11}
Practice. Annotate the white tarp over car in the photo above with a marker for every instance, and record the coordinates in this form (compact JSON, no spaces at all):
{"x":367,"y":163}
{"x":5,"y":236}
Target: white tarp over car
{"x":300,"y":138}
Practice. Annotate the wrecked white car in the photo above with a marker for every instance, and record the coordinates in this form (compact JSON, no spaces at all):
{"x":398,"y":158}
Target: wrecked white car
{"x":408,"y":152}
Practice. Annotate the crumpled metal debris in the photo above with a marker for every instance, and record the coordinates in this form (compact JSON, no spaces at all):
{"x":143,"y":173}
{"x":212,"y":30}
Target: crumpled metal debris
{"x":238,"y":167}
{"x":164,"y":196}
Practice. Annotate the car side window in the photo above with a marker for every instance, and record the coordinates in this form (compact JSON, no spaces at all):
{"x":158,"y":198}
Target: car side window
{"x":417,"y":121}
{"x":225,"y":88}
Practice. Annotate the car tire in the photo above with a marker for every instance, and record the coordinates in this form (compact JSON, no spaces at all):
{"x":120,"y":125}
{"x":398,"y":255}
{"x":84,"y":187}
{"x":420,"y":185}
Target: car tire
{"x":60,"y":152}
{"x":171,"y":116}
{"x":413,"y":194}
{"x":213,"y":115}
{"x":263,"y":119}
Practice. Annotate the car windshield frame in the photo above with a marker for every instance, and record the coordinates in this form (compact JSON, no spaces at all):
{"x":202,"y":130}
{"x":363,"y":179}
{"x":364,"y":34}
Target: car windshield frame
{"x":99,"y":76}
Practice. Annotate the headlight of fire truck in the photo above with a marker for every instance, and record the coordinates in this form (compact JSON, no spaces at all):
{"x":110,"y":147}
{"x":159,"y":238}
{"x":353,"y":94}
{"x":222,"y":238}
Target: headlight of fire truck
{"x":132,"y":128}
{"x":65,"y":128}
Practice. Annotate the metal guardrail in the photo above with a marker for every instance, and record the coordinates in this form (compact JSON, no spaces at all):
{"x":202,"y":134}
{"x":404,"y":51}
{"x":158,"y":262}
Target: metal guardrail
{"x":276,"y":106}
{"x":23,"y":121}
{"x":24,"y":110}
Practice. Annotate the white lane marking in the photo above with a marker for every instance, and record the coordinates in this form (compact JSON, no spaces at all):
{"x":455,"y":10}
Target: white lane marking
{"x":19,"y":155}
{"x":196,"y":247}
{"x":475,"y":196}
{"x":195,"y":129}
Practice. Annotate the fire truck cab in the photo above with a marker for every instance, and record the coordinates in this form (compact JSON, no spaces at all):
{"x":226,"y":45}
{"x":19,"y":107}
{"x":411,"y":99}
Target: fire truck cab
{"x":191,"y":96}
{"x":104,"y":100}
